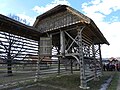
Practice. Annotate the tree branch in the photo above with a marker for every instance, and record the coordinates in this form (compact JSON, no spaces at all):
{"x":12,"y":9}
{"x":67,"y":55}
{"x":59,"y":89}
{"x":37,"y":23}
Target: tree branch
{"x":3,"y":45}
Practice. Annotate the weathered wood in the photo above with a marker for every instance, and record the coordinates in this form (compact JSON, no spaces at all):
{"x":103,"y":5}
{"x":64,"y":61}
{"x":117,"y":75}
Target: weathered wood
{"x":93,"y":50}
{"x":56,"y":21}
{"x":45,"y":46}
{"x":59,"y":65}
{"x":62,"y":23}
{"x":83,"y":84}
{"x":100,"y":59}
{"x":71,"y":65}
{"x":14,"y":27}
{"x":62,"y":42}
{"x":19,"y":47}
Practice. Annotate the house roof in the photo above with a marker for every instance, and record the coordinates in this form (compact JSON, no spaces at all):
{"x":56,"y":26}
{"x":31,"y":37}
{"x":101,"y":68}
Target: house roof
{"x":61,"y":8}
{"x":84,"y":20}
{"x":14,"y":27}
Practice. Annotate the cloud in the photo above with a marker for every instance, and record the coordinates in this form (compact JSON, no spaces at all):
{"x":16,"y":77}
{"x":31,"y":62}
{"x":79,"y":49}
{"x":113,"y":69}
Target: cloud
{"x":42,"y":9}
{"x":29,"y":19}
{"x":114,"y":18}
{"x":98,"y":10}
{"x":103,"y":6}
{"x":112,"y":33}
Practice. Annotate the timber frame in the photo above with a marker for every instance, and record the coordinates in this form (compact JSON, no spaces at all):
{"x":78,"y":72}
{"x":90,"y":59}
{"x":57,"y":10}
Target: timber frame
{"x":14,"y":27}
{"x":74,"y":36}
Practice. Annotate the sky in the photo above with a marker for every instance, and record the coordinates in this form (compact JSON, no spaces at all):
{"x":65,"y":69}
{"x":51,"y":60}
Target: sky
{"x":105,"y":13}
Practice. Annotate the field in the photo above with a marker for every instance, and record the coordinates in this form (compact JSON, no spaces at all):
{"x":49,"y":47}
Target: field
{"x":67,"y":82}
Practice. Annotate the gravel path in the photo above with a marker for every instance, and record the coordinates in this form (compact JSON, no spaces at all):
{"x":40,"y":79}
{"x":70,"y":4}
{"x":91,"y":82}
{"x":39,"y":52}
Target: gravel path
{"x":105,"y":85}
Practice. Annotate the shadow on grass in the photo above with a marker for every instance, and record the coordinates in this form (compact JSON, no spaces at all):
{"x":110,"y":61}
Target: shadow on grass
{"x":65,"y":82}
{"x":70,"y":82}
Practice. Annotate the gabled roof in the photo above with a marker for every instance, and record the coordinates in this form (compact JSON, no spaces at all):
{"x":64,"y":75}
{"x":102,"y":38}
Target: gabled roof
{"x":61,"y":8}
{"x":83,"y":19}
{"x":14,"y":27}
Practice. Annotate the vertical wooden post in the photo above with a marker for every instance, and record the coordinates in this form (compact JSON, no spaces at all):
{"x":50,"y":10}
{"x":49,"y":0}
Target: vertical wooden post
{"x":82,"y":65}
{"x":95,"y":68}
{"x":38,"y":63}
{"x":100,"y":59}
{"x":59,"y":65}
{"x":62,"y":48}
{"x":71,"y":66}
{"x":62,"y":42}
{"x":89,"y":51}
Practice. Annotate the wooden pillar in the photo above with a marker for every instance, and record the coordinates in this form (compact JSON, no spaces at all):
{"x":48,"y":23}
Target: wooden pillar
{"x":38,"y":63}
{"x":71,"y":66}
{"x":82,"y":65}
{"x":62,"y":48}
{"x":59,"y":65}
{"x":62,"y":43}
{"x":58,"y":50}
{"x":89,"y":51}
{"x":95,"y":68}
{"x":100,"y":59}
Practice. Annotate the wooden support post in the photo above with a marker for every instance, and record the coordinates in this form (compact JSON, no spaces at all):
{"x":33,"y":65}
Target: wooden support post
{"x":62,"y":43}
{"x":71,"y":66}
{"x":82,"y":65}
{"x":100,"y":59}
{"x":38,"y":63}
{"x":95,"y":67}
{"x":62,"y":48}
{"x":59,"y":65}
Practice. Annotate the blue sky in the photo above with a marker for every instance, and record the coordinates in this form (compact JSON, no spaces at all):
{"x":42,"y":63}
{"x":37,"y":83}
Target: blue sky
{"x":105,"y":13}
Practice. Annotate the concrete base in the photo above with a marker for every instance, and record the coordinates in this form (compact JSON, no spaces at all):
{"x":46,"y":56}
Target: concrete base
{"x":84,"y":87}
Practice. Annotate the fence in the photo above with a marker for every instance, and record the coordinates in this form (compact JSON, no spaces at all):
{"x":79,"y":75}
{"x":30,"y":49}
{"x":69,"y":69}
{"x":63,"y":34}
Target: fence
{"x":27,"y":71}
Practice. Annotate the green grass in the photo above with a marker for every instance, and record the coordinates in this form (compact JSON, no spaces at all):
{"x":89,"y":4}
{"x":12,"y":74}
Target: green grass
{"x":69,"y":82}
{"x":72,"y":82}
{"x":114,"y":82}
{"x":96,"y":85}
{"x":63,"y":81}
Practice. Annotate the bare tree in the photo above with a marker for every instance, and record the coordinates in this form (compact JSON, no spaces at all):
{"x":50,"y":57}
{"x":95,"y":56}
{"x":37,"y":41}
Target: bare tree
{"x":17,"y":18}
{"x":11,"y":46}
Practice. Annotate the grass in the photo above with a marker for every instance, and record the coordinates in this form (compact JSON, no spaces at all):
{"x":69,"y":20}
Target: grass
{"x":69,"y":82}
{"x":114,"y":82}
{"x":96,"y":85}
{"x":19,"y":85}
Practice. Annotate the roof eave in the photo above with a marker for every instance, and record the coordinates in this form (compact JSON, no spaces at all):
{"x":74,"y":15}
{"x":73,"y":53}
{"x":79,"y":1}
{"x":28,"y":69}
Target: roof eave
{"x":103,"y":39}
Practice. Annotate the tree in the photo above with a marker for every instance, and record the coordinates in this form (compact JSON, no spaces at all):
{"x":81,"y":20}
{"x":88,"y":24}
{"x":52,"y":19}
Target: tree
{"x":17,"y":18}
{"x":11,"y":46}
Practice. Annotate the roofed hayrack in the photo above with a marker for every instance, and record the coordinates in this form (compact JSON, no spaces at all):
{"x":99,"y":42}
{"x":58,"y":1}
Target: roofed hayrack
{"x":62,"y":17}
